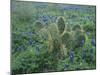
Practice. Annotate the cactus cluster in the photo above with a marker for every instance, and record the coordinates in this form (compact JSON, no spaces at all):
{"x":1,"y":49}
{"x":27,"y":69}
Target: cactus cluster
{"x":62,"y":37}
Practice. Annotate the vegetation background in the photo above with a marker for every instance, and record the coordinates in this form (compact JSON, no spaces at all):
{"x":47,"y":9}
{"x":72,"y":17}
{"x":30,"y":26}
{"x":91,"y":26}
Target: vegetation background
{"x":30,"y":53}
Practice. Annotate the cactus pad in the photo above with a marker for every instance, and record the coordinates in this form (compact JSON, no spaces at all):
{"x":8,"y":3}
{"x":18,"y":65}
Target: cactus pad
{"x":61,"y":24}
{"x":76,"y":28}
{"x":38,"y":25}
{"x":79,"y":39}
{"x":67,"y":39}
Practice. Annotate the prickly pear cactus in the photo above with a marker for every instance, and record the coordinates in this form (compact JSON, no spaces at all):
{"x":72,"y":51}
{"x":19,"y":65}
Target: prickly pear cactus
{"x":38,"y":25}
{"x":76,"y":28}
{"x":79,"y":39}
{"x":79,"y":36}
{"x":61,"y":37}
{"x":66,"y":39}
{"x":44,"y":33}
{"x":61,"y":24}
{"x":53,"y":29}
{"x":56,"y":45}
{"x":68,"y":28}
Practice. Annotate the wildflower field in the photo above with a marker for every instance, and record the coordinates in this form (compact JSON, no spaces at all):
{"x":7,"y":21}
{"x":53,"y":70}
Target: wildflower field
{"x":51,"y":37}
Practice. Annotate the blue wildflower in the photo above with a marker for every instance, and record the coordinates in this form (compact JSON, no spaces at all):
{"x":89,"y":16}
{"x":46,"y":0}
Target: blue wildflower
{"x":30,"y":33}
{"x":20,"y":48}
{"x":82,"y":42}
{"x":71,"y":56}
{"x":93,"y":42}
{"x":88,"y":33}
{"x":30,"y":41}
{"x":45,"y":18}
{"x":65,"y":8}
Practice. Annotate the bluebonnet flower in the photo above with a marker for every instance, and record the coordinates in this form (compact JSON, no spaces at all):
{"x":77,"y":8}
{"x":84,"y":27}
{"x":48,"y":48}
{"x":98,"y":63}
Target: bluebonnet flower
{"x":45,"y":18}
{"x":87,"y":17}
{"x":30,"y":41}
{"x":20,"y":48}
{"x":31,"y":33}
{"x":53,"y":18}
{"x":88,"y":33}
{"x":65,"y":8}
{"x":71,"y":56}
{"x":93,"y":42}
{"x":82,"y":42}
